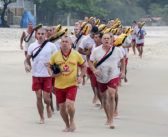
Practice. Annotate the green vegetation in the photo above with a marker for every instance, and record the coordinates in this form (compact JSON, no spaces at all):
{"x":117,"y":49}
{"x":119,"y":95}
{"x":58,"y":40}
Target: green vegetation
{"x":125,"y":10}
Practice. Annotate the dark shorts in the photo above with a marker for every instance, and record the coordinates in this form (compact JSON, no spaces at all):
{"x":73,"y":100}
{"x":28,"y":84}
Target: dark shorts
{"x":140,"y":45}
{"x":25,"y":53}
{"x":67,"y":93}
{"x":89,"y":72}
{"x":133,"y":40}
{"x":114,"y":83}
{"x":43,"y":83}
{"x":94,"y":81}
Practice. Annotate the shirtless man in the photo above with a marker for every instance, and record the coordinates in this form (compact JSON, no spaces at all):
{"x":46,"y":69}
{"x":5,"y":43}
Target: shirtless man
{"x":66,"y":81}
{"x":107,"y":74}
{"x":27,"y":37}
{"x":41,"y":79}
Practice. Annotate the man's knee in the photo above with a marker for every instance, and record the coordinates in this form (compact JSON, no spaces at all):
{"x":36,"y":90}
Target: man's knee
{"x":46,"y":98}
{"x":38,"y":95}
{"x":69,"y":105}
{"x":112,"y":91}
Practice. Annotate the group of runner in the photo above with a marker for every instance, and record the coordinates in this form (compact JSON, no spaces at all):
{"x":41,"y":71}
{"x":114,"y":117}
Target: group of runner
{"x":93,"y":51}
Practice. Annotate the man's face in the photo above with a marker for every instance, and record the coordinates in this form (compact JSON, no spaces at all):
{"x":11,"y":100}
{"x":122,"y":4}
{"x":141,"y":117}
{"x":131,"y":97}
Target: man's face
{"x":30,"y":25}
{"x":92,"y":34}
{"x":65,"y":43}
{"x":49,"y":31}
{"x":97,"y":39}
{"x":139,"y":24}
{"x":76,"y":30}
{"x":77,"y":24}
{"x":111,"y":37}
{"x":106,"y":40}
{"x":86,"y":19}
{"x":41,"y":35}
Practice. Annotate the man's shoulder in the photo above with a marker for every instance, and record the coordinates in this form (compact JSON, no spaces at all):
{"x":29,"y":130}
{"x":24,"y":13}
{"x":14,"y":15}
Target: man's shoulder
{"x":50,"y":43}
{"x":34,"y":44}
{"x":98,"y":48}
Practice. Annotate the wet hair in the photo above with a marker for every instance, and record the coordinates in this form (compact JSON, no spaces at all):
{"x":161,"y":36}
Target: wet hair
{"x":94,"y":29}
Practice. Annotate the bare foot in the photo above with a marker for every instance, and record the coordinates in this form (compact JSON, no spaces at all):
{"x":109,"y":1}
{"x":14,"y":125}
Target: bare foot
{"x":101,"y":107}
{"x":66,"y":130}
{"x":107,"y":123}
{"x":72,"y":127}
{"x":125,"y":79}
{"x":41,"y":121}
{"x":115,"y":114}
{"x":49,"y":111}
{"x":112,"y":126}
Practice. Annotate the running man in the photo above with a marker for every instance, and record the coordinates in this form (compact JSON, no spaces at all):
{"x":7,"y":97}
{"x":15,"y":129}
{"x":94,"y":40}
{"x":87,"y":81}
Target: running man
{"x":27,"y":37}
{"x":140,"y":36}
{"x":107,"y":74}
{"x":66,"y":81}
{"x":41,"y":79}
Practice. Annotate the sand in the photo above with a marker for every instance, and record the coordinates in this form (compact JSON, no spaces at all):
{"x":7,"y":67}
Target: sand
{"x":143,"y":104}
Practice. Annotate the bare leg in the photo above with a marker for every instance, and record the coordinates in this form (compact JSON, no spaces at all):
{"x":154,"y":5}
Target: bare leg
{"x":71,"y":111}
{"x":51,"y":104}
{"x":40,"y":105}
{"x":133,"y":47}
{"x":141,"y":48}
{"x":47,"y":101}
{"x":112,"y":92}
{"x":116,"y":103}
{"x":139,"y":51}
{"x":64,"y":116}
{"x":106,"y":106}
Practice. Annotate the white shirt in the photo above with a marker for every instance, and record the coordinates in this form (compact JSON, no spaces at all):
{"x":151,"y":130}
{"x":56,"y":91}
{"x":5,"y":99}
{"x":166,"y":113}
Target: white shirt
{"x":109,"y":68}
{"x":32,"y":39}
{"x":134,"y":33}
{"x":74,"y":38}
{"x":85,"y":44}
{"x":127,"y":42}
{"x":58,"y":44}
{"x":38,"y":65}
{"x":139,"y":38}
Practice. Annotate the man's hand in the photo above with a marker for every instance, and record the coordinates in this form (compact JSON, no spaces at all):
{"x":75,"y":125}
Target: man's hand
{"x":21,"y":47}
{"x":79,"y":80}
{"x":97,"y":73}
{"x":27,"y":68}
{"x":122,"y":75}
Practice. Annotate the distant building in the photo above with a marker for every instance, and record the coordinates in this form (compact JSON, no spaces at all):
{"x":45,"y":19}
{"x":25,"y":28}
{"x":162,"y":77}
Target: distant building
{"x":16,"y":10}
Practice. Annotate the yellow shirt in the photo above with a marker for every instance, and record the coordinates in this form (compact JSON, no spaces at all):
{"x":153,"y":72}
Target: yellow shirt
{"x":68,"y":66}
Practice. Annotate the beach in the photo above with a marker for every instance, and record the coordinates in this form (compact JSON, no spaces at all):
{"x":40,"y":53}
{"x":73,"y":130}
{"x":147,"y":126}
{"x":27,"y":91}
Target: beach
{"x":143,"y":101}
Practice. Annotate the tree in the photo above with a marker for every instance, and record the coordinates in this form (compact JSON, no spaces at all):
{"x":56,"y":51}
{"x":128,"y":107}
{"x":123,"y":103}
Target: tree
{"x":5,"y":5}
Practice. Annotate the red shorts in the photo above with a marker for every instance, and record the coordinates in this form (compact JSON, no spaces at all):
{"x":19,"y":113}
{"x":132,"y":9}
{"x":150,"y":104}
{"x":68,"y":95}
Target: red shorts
{"x":114,"y":83}
{"x":25,"y":52}
{"x":89,"y":72}
{"x":94,"y":81}
{"x":133,"y":40}
{"x":53,"y":81}
{"x":140,"y":45}
{"x":44,"y":83}
{"x":67,"y":93}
